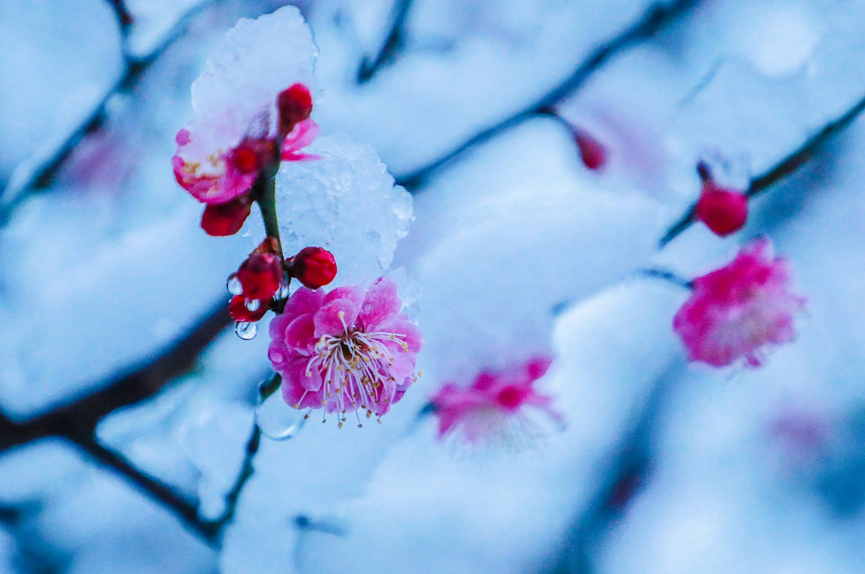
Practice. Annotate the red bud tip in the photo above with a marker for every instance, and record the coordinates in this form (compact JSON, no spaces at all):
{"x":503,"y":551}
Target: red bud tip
{"x":260,"y":276}
{"x":314,"y":267}
{"x":593,"y":152}
{"x":226,"y":218}
{"x":240,"y":312}
{"x":295,"y":106}
{"x":724,"y":211}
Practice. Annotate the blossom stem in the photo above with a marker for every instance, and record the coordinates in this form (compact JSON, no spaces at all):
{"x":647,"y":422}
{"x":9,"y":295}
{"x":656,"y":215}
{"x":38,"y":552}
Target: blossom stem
{"x":264,"y":192}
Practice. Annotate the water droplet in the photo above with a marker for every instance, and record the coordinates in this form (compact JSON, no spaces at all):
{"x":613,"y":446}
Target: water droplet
{"x":234,"y":287}
{"x":245,"y":330}
{"x":253,"y":304}
{"x":277,"y":420}
{"x":282,"y":292}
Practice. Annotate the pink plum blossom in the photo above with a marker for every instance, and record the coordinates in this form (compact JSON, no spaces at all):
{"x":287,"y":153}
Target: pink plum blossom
{"x":495,"y":405}
{"x":303,"y":134}
{"x":251,"y":97}
{"x":738,"y":310}
{"x":346,"y":350}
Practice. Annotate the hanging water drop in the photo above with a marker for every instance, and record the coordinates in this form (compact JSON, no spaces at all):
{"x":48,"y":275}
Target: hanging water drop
{"x":234,"y":287}
{"x":277,"y":420}
{"x":245,"y":330}
{"x":253,"y":304}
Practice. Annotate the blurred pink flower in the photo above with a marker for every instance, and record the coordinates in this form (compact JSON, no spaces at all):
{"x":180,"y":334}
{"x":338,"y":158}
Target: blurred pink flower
{"x":345,"y":350}
{"x":487,"y":409}
{"x":738,"y":310}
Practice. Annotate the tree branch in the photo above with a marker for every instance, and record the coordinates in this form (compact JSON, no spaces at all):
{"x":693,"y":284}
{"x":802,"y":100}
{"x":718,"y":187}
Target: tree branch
{"x":394,"y":41}
{"x":80,"y":416}
{"x":185,"y":510}
{"x":653,"y":20}
{"x":779,"y":171}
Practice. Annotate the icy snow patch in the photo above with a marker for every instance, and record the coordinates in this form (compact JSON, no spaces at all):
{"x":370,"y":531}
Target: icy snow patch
{"x":256,"y":60}
{"x":345,"y":202}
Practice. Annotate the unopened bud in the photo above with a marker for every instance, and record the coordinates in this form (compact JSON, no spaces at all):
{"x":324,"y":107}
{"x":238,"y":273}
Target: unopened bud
{"x":295,"y":106}
{"x":226,"y":218}
{"x":314,"y":267}
{"x":260,"y":276}
{"x":593,"y":152}
{"x":724,"y":211}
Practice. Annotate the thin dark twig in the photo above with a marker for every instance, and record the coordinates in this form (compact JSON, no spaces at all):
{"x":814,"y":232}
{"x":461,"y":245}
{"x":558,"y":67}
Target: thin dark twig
{"x":43,"y":174}
{"x":653,"y":20}
{"x":269,"y":386}
{"x":394,"y":41}
{"x":666,"y":275}
{"x":233,"y":496}
{"x":184,"y":509}
{"x":779,"y":171}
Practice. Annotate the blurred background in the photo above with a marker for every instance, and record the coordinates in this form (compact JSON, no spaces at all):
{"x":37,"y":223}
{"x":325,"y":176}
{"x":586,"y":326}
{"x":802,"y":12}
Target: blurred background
{"x":549,"y":146}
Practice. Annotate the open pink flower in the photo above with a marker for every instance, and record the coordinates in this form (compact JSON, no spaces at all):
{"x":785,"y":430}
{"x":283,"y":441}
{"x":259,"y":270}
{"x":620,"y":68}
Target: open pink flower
{"x":346,"y":350}
{"x":493,"y":403}
{"x":738,"y":310}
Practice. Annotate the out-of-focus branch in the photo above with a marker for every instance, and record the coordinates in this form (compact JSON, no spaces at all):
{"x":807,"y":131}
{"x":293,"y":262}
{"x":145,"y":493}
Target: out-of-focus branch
{"x":40,"y":176}
{"x":653,"y":20}
{"x":80,"y":417}
{"x":216,"y":527}
{"x":395,"y":39}
{"x":779,"y":171}
{"x":186,"y":510}
{"x":626,"y":473}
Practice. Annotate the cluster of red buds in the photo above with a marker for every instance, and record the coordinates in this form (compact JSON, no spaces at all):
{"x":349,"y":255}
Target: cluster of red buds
{"x":261,"y":282}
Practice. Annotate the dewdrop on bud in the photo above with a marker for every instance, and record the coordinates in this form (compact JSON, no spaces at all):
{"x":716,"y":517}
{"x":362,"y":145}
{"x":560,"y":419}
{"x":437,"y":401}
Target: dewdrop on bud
{"x":239,"y":310}
{"x":245,"y":330}
{"x":314,"y":267}
{"x":233,"y":285}
{"x":253,"y":304}
{"x":282,"y":292}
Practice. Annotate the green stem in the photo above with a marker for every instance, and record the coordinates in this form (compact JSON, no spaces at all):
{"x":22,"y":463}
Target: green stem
{"x":265,"y":195}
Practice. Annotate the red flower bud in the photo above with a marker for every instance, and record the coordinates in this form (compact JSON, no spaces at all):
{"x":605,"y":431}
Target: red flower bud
{"x":226,"y":218}
{"x":593,"y":152}
{"x":724,"y":211}
{"x":295,"y":106}
{"x":260,"y":276}
{"x":314,"y":267}
{"x":241,"y":313}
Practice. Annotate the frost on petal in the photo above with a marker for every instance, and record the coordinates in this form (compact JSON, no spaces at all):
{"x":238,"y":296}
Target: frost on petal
{"x":737,"y":311}
{"x":496,"y":407}
{"x":347,"y":203}
{"x":329,"y":359}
